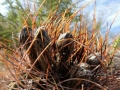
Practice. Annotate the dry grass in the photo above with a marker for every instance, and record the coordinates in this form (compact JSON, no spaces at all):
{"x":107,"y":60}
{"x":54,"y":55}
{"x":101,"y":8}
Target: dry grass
{"x":85,"y":43}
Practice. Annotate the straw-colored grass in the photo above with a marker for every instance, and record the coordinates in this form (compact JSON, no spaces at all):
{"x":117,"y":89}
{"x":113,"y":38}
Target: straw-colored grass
{"x":85,"y":43}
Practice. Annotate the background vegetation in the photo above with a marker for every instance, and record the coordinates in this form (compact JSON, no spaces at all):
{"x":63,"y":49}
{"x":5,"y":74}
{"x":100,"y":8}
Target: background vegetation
{"x":12,"y":21}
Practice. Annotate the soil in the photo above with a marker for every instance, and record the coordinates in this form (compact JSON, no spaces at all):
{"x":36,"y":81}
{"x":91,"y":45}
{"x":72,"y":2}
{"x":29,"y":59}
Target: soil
{"x":114,"y":78}
{"x":116,"y":60}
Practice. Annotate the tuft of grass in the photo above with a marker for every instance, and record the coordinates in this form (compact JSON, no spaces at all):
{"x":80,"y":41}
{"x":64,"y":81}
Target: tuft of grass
{"x":85,"y":43}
